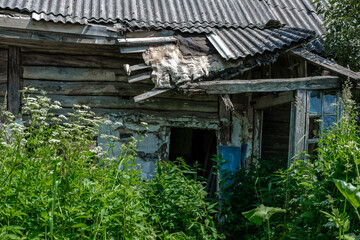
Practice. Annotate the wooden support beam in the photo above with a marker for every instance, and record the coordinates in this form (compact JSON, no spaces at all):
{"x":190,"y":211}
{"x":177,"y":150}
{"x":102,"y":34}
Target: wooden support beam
{"x":150,"y":94}
{"x":300,"y":122}
{"x":139,"y":77}
{"x":14,"y":80}
{"x":273,"y":100}
{"x":325,"y":63}
{"x":229,"y":105}
{"x":264,"y":85}
{"x":129,"y":69}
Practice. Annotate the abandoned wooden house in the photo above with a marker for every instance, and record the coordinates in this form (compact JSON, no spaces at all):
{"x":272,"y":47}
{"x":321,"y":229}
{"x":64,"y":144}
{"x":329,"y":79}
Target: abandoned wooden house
{"x":238,"y":77}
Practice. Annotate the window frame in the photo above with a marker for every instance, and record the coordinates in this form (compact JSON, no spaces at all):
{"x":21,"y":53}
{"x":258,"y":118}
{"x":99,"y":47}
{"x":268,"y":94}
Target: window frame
{"x":320,"y":115}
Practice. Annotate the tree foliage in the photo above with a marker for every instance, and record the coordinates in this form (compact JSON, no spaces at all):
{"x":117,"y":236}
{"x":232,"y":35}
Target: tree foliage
{"x":342,"y":24}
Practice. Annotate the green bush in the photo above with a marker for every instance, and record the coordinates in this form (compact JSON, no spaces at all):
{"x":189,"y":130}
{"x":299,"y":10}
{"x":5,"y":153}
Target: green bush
{"x":55,"y":183}
{"x":321,"y":194}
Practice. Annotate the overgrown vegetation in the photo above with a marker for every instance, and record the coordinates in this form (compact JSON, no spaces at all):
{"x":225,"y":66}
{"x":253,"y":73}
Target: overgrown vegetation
{"x":342,"y":25}
{"x":321,"y":194}
{"x":55,"y":183}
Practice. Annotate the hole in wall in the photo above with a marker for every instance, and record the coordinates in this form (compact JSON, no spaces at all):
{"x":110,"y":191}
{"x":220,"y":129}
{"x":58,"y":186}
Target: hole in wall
{"x":195,"y":146}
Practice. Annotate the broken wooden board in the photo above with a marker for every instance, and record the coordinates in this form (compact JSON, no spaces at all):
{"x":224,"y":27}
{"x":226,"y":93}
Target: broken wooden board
{"x":150,"y":94}
{"x":325,"y":63}
{"x":264,"y":85}
{"x":139,"y":77}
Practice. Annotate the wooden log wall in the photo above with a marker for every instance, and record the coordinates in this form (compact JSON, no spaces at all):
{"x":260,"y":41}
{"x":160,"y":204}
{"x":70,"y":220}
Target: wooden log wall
{"x":76,"y":76}
{"x":3,"y":74}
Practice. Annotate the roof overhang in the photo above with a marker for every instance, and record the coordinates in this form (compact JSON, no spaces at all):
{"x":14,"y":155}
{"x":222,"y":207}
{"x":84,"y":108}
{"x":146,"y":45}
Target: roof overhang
{"x":325,"y":63}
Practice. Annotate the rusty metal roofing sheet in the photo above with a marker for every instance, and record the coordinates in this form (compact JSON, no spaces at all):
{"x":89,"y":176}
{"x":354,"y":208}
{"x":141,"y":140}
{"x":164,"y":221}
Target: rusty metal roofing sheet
{"x":176,"y":14}
{"x":241,"y":43}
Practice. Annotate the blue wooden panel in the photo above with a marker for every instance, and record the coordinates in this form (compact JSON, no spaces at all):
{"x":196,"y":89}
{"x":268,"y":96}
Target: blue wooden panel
{"x":232,"y":157}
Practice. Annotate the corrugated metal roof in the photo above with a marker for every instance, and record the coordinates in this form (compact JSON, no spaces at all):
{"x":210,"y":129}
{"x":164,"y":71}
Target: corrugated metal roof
{"x":241,"y":43}
{"x":301,"y":14}
{"x":197,"y":15}
{"x":233,"y":26}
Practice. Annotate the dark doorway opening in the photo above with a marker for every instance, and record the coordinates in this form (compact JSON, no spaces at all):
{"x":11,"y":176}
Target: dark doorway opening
{"x":195,"y":146}
{"x":275,"y":135}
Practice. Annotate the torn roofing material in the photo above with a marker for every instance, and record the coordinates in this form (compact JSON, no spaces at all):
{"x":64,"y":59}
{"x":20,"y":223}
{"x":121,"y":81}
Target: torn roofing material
{"x":241,"y":43}
{"x":183,"y":15}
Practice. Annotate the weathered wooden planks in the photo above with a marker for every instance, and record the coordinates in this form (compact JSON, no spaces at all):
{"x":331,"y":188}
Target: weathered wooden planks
{"x":108,"y":89}
{"x":161,"y":104}
{"x":275,"y":133}
{"x":14,"y":80}
{"x":74,"y":74}
{"x":3,"y":65}
{"x":56,"y":48}
{"x":145,"y":114}
{"x":70,"y":60}
{"x":88,"y":88}
{"x":264,"y":85}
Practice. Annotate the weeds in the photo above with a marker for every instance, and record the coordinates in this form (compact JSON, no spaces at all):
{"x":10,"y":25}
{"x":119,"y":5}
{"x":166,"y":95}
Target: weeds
{"x":320,"y":193}
{"x":56,"y":183}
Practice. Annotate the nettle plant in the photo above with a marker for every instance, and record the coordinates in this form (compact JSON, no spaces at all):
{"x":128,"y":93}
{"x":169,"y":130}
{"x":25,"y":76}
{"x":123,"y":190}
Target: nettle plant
{"x":56,"y":183}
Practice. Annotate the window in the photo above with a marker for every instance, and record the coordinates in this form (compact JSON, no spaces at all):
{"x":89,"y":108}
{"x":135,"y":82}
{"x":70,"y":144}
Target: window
{"x":322,"y":114}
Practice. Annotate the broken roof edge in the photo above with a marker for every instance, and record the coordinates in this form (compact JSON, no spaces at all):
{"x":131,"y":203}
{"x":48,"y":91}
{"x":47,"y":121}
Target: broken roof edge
{"x":325,"y":63}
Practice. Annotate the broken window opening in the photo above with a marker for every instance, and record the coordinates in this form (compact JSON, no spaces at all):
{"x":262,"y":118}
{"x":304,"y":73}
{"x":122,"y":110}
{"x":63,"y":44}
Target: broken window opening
{"x":195,"y":146}
{"x":322,"y":114}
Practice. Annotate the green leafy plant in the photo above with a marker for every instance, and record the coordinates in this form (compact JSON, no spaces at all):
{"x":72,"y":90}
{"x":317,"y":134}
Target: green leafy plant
{"x":351,"y":193}
{"x":60,"y":179}
{"x":262,"y":214}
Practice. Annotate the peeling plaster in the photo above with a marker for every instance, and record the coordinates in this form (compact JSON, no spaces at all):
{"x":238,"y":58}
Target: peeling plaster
{"x":171,"y":67}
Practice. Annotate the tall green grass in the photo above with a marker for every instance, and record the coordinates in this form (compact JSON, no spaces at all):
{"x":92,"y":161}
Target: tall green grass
{"x":55,"y":183}
{"x":321,"y":194}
